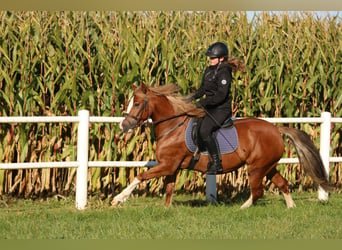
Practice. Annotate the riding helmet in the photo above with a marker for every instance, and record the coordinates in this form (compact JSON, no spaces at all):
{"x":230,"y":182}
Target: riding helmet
{"x":217,"y":49}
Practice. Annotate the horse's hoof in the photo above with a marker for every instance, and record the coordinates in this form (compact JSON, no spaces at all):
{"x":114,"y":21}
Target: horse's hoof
{"x":291,"y":206}
{"x":115,"y":203}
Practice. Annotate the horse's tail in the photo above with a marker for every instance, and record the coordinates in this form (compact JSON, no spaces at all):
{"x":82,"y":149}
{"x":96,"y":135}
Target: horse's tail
{"x":309,"y":156}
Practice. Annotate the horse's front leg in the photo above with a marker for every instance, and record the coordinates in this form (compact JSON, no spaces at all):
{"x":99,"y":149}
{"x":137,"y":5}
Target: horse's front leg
{"x":124,"y":195}
{"x":161,"y":169}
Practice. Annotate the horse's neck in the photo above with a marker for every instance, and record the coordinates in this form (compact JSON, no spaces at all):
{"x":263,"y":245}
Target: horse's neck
{"x":162,"y":109}
{"x":164,"y":117}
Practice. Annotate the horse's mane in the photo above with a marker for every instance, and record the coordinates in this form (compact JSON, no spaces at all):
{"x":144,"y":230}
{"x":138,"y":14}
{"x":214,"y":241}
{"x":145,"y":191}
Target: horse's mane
{"x":179,"y":103}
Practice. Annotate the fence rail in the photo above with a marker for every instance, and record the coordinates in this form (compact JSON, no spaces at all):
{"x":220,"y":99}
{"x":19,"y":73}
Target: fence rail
{"x":83,"y":164}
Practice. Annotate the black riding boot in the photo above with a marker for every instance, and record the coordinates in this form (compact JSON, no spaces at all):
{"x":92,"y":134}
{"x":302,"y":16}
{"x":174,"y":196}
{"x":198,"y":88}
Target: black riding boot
{"x":214,"y":165}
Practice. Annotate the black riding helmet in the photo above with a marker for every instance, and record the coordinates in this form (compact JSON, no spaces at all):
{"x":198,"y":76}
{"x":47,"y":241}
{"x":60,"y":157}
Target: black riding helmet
{"x":217,"y":49}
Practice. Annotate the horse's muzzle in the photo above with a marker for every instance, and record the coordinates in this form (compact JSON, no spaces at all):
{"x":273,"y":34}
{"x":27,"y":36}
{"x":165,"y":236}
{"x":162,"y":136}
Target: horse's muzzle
{"x":126,"y":125}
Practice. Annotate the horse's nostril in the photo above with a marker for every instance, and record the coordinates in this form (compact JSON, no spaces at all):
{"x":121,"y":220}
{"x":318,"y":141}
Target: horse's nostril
{"x":127,"y":125}
{"x":124,"y":127}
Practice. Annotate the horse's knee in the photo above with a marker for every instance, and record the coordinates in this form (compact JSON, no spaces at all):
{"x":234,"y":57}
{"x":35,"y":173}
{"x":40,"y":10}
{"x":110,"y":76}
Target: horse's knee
{"x":284,"y":187}
{"x":280,"y":182}
{"x":256,"y":185}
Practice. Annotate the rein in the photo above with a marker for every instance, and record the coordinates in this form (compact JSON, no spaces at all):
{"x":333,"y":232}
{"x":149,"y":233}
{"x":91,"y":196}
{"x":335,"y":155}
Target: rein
{"x":168,"y":118}
{"x":172,"y":129}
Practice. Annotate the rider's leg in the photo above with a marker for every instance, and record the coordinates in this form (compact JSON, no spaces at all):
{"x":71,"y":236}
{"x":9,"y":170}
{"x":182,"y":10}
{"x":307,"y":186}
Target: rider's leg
{"x":208,"y":126}
{"x":215,"y":165}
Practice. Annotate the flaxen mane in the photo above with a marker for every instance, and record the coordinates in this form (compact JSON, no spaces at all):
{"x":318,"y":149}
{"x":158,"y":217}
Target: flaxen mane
{"x":179,"y":103}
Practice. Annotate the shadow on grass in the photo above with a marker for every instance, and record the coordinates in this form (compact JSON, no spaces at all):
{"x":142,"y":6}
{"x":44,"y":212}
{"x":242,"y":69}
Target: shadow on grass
{"x":223,"y":199}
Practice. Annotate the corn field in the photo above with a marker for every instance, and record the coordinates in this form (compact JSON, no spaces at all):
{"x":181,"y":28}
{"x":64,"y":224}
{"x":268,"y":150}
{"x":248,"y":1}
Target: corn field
{"x":56,"y":63}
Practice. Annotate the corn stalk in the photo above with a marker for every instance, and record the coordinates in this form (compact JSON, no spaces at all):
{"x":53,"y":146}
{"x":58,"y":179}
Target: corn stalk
{"x":56,"y":63}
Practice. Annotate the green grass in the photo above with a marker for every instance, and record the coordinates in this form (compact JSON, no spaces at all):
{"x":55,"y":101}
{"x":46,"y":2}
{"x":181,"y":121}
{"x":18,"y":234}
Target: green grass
{"x":188,"y":218}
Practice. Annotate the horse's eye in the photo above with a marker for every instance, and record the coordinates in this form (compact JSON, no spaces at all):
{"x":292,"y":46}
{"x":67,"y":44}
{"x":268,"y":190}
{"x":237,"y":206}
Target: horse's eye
{"x":136,"y":104}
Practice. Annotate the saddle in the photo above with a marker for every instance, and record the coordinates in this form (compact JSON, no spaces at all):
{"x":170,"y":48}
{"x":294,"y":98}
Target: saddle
{"x":226,"y":138}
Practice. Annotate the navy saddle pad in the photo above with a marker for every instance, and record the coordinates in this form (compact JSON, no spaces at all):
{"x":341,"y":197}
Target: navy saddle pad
{"x":226,"y":138}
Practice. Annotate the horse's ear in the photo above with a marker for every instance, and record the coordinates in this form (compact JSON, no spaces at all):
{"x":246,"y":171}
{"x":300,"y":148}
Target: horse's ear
{"x":143,"y":87}
{"x":134,"y":87}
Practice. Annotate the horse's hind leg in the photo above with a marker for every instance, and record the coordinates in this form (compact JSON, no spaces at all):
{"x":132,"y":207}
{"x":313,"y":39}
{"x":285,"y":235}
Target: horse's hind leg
{"x":255,"y":179}
{"x":281,"y":183}
{"x":169,"y":188}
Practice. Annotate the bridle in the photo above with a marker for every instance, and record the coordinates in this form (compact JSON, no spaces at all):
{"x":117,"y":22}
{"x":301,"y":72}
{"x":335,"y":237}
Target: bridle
{"x":145,"y":108}
{"x":137,"y":118}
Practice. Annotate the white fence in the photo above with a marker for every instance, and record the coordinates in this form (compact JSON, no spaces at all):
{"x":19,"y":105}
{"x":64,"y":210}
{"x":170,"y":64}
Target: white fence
{"x":83,"y":164}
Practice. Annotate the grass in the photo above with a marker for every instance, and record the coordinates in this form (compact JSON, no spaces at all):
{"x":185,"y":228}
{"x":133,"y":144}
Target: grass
{"x":188,"y":218}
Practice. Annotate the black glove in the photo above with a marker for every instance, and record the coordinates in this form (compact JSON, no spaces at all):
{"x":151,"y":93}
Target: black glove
{"x":199,"y":105}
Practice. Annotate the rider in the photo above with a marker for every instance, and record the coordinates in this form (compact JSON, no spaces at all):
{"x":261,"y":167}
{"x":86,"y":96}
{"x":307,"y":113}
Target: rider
{"x":216,"y":101}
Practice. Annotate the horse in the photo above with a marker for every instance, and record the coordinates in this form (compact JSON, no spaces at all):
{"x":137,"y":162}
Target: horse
{"x":260,"y":145}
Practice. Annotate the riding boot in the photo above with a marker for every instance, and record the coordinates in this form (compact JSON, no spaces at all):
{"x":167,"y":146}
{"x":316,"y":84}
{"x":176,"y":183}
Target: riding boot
{"x":214,"y":165}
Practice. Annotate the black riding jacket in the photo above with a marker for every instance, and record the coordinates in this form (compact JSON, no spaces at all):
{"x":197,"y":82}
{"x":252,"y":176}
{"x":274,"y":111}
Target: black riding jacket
{"x":216,"y":86}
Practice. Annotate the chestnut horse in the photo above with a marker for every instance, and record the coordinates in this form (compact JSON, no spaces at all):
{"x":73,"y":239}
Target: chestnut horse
{"x":260,"y":145}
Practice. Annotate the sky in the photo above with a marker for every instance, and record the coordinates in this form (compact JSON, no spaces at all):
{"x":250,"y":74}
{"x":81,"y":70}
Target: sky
{"x":320,"y":14}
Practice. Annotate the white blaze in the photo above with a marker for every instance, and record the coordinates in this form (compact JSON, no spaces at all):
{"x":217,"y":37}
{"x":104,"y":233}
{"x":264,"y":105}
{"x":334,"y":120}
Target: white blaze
{"x":129,"y":107}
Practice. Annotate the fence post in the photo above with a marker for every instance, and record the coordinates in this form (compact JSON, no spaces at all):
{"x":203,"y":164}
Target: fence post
{"x":82,"y":159}
{"x":210,"y":189}
{"x":325,"y":150}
